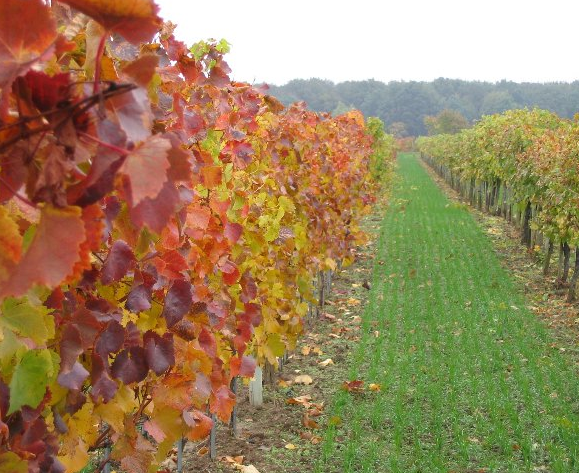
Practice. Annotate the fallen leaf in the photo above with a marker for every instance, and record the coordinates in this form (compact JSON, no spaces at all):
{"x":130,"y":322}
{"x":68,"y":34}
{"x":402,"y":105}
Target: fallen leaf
{"x":290,"y":446}
{"x":249,"y":469}
{"x":202,"y":451}
{"x":374,"y":387}
{"x":326,"y":362}
{"x":306,"y":350}
{"x":303,"y":379}
{"x":355,"y":386}
{"x":309,"y":423}
{"x":318,"y":351}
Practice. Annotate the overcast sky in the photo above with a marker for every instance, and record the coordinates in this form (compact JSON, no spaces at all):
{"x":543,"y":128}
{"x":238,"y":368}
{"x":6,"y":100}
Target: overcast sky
{"x":274,"y":41}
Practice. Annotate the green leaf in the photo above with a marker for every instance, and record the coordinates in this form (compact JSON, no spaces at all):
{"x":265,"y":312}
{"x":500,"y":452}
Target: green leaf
{"x":27,"y":320}
{"x":29,"y":382}
{"x":223,"y":46}
{"x":12,"y":463}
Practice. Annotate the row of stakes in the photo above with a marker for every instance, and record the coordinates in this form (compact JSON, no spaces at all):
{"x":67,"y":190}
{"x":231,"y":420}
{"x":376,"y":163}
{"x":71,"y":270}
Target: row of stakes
{"x":322,"y":285}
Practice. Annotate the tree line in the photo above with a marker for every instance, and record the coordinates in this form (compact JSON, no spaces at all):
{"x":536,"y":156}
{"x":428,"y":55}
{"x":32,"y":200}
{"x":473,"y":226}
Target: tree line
{"x":402,"y":106}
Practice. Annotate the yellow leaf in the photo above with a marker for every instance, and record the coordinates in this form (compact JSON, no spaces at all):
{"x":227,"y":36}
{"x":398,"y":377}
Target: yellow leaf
{"x":326,"y":362}
{"x":374,"y":387}
{"x":330,"y":264}
{"x":303,"y":379}
{"x":290,"y":446}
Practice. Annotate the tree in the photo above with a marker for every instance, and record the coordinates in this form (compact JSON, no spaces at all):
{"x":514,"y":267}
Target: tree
{"x":446,"y":122}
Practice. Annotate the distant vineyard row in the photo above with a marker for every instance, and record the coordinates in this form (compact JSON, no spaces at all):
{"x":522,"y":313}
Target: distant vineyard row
{"x":520,"y":164}
{"x":160,"y":228}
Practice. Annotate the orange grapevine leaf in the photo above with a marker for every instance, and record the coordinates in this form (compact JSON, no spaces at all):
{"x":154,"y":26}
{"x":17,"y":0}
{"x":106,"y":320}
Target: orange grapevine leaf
{"x":199,"y":424}
{"x":53,"y":253}
{"x":24,"y":41}
{"x":136,"y":20}
{"x":222,"y":403}
{"x":10,"y":244}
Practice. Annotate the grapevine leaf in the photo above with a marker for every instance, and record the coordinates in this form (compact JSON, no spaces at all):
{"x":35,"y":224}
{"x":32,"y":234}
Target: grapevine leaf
{"x":133,"y":112}
{"x":156,"y":213}
{"x":243,"y":366}
{"x":130,"y":365}
{"x":30,"y":379}
{"x":47,"y":91}
{"x":222,"y":402}
{"x":177,"y":302}
{"x":212,"y":176}
{"x":102,"y":385}
{"x":27,"y":320}
{"x":136,"y":20}
{"x":248,"y":288}
{"x":141,"y":70}
{"x":20,"y":44}
{"x":74,"y":378}
{"x":72,"y":373}
{"x":199,"y":424}
{"x":118,"y":263}
{"x":233,"y":232}
{"x":139,"y":299}
{"x":10,"y":244}
{"x":52,"y":254}
{"x":147,"y":168}
{"x":159,"y":351}
{"x":110,"y":340}
{"x":12,"y":463}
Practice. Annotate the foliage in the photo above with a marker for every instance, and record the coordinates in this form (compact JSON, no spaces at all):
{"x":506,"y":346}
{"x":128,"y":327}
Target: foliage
{"x":534,"y":152}
{"x":446,"y":122}
{"x":409,"y":102}
{"x":160,"y":226}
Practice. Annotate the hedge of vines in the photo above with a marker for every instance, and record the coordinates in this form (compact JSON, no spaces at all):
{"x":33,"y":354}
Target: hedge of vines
{"x":524,"y":165}
{"x":160,"y":227}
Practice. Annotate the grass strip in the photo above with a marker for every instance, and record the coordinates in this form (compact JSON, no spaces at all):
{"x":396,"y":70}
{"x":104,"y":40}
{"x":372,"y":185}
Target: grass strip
{"x":469,"y":381}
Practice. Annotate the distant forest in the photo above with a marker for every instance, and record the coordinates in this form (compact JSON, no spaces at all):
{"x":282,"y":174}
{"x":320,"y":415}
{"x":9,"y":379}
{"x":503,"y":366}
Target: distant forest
{"x":402,"y":106}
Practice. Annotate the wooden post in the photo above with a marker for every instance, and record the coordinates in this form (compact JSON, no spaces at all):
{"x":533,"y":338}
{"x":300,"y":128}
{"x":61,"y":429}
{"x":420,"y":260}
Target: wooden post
{"x":213,"y":439}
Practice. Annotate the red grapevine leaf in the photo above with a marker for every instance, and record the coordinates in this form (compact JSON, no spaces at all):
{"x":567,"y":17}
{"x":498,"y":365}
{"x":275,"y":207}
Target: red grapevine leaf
{"x":47,"y":91}
{"x":70,"y":348}
{"x":222,"y":402}
{"x":198,"y":217}
{"x":159,"y":351}
{"x":133,"y":112}
{"x":147,"y":168}
{"x":248,"y":288}
{"x":177,"y":302}
{"x":243,"y":366}
{"x":230,"y":272}
{"x":156,"y":213}
{"x":233,"y":232}
{"x":240,"y":153}
{"x":130,"y":365}
{"x":74,"y":378}
{"x":110,"y":340}
{"x":102,"y":385}
{"x":139,"y":299}
{"x":52,"y":254}
{"x":207,"y":342}
{"x":27,"y":34}
{"x":136,"y":20}
{"x":118,"y":263}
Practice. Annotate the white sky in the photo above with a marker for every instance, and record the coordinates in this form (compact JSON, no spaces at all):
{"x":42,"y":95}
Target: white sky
{"x":274,"y":41}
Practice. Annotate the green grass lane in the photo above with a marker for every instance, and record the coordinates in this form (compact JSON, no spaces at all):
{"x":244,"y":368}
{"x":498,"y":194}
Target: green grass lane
{"x":469,"y":380}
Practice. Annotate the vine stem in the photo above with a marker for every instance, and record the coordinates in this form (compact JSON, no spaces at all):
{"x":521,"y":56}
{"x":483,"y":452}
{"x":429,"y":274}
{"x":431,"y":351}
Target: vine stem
{"x":98,"y":64}
{"x":116,"y":149}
